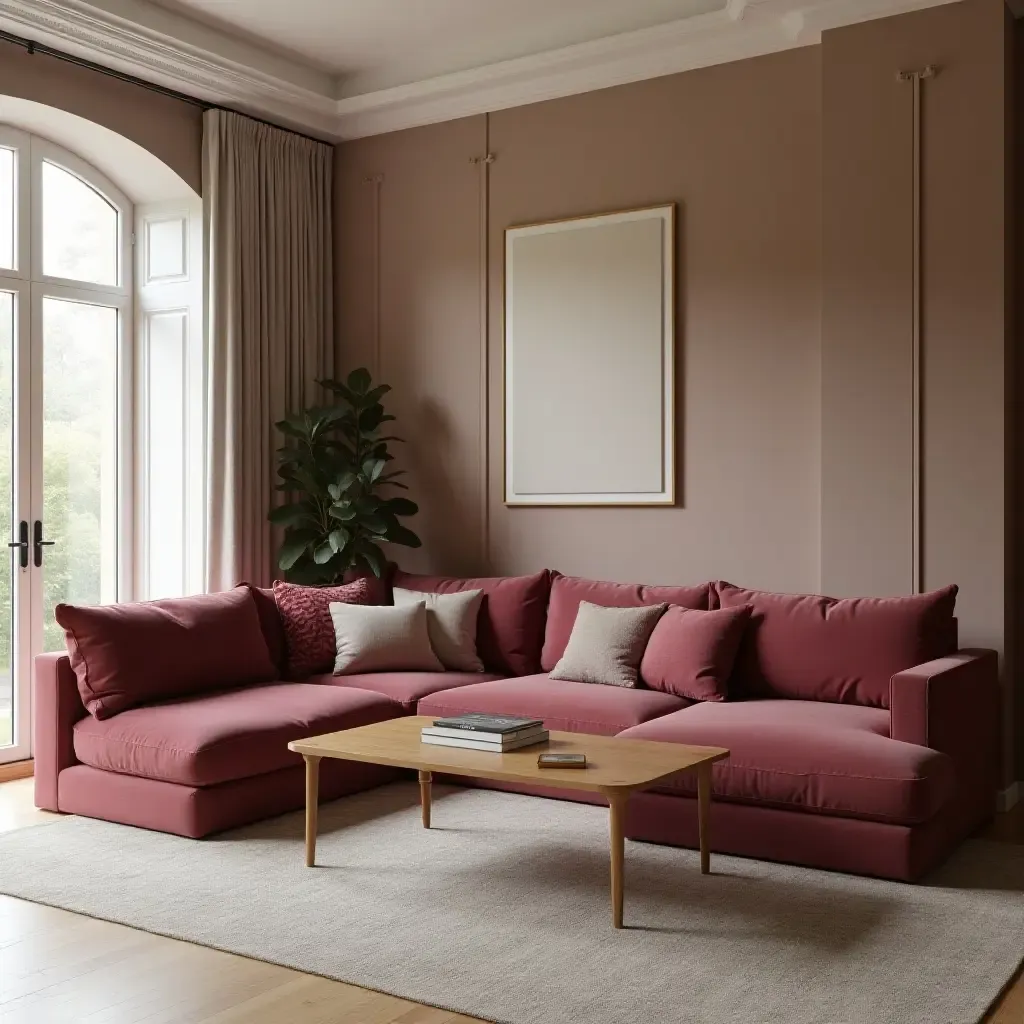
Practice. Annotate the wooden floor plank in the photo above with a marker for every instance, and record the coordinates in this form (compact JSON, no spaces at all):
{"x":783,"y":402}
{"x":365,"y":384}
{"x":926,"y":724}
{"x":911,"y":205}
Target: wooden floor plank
{"x":61,"y":968}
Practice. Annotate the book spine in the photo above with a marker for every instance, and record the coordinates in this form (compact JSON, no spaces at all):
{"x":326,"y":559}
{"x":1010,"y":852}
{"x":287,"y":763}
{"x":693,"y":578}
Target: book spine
{"x":489,"y":737}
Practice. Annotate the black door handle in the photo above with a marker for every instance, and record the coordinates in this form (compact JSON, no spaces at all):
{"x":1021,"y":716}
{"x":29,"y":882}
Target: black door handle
{"x":38,"y":543}
{"x":22,"y":543}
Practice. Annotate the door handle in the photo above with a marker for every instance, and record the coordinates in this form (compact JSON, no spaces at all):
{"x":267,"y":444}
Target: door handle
{"x":38,"y":543}
{"x":22,"y":543}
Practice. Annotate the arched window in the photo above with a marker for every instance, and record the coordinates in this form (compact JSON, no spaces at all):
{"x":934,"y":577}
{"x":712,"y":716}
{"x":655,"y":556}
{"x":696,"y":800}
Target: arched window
{"x":66,"y":400}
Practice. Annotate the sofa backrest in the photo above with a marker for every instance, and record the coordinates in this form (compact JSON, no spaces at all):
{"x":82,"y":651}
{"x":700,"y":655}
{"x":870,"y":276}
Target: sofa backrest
{"x":510,"y":626}
{"x":809,"y":647}
{"x":568,"y":591}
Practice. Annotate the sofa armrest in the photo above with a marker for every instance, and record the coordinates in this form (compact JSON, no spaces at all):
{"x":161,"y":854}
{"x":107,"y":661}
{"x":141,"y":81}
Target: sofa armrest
{"x":56,"y":707}
{"x":952,"y":705}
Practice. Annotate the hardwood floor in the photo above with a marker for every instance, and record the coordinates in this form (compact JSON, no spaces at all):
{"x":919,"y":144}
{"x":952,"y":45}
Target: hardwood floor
{"x":62,"y":968}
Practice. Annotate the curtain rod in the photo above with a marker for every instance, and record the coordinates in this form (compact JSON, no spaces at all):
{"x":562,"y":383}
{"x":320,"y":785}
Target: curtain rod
{"x":48,"y":51}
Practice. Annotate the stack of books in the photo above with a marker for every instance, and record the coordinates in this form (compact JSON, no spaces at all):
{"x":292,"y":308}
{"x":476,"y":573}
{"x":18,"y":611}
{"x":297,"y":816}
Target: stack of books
{"x":497,"y":733}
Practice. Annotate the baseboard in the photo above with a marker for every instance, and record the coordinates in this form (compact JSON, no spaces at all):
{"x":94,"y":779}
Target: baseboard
{"x":17,"y":770}
{"x":1010,"y":797}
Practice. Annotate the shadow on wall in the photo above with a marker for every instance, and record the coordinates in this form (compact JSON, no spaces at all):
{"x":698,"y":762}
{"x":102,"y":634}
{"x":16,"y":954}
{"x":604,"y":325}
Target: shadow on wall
{"x":448,"y":523}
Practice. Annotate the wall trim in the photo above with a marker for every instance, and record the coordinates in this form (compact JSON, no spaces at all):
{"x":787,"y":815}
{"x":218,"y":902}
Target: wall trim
{"x":179,"y":53}
{"x":1008,"y":798}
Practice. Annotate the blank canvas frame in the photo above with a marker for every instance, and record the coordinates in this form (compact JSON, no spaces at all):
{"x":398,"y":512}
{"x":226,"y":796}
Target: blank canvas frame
{"x":589,"y":360}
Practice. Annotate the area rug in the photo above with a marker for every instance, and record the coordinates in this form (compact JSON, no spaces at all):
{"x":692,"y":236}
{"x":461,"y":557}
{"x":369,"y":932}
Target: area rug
{"x":501,"y":911}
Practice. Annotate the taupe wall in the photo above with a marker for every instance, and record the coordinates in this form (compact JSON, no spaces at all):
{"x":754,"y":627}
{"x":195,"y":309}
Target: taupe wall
{"x":792,"y":175}
{"x":168,"y":128}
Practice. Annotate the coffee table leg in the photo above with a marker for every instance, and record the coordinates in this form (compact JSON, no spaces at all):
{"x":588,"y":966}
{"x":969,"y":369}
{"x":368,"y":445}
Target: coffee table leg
{"x":704,"y":816}
{"x":617,"y":813}
{"x":425,"y":798}
{"x":312,"y":808}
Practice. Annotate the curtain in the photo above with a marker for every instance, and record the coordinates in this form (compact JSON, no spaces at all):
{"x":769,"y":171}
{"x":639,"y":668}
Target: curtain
{"x":269,"y":323}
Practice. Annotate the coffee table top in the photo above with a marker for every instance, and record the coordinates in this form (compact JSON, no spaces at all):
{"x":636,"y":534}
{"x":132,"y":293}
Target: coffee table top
{"x":611,"y":763}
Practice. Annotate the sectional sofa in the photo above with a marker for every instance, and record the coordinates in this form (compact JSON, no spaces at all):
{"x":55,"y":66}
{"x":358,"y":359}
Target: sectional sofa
{"x":862,"y":739}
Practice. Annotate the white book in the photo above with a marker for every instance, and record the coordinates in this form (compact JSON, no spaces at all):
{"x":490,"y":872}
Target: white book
{"x":494,"y":748}
{"x":497,"y":738}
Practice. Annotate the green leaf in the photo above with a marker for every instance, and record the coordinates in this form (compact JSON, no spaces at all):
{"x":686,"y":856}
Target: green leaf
{"x":339,"y":538}
{"x":399,"y":534}
{"x":373,"y":557}
{"x":374,"y":524}
{"x":372,"y":469}
{"x":323,"y":553}
{"x":401,"y":507}
{"x":293,"y":548}
{"x":291,"y":515}
{"x":343,"y":511}
{"x":359,"y":381}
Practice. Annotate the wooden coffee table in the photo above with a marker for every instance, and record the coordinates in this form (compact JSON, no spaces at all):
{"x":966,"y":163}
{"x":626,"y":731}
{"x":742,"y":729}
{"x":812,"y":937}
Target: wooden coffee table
{"x":616,"y":768}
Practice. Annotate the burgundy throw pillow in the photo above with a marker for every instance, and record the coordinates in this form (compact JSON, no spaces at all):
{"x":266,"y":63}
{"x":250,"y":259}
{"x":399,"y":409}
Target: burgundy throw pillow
{"x":125,"y":655}
{"x":692,"y":653}
{"x":308,"y":628}
{"x":270,"y":623}
{"x":568,"y":591}
{"x":510,"y":625}
{"x":809,"y":647}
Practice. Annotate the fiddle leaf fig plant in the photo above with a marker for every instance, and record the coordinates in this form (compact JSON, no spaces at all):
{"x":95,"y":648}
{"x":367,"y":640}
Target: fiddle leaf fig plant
{"x":334,"y":466}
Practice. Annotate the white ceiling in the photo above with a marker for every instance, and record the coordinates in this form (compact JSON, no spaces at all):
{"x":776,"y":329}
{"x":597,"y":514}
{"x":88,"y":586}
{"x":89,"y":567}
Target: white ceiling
{"x":349,"y":68}
{"x":378,"y":44}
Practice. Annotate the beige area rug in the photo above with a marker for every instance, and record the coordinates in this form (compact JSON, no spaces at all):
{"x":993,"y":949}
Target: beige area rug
{"x":502,"y":911}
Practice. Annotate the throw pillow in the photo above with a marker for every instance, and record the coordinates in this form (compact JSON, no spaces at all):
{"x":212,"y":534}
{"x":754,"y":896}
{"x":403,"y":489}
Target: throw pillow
{"x":308,"y":630}
{"x":691,"y":653}
{"x":510,"y":628}
{"x":124,"y":655}
{"x":606,"y":644}
{"x":382,"y":638}
{"x":451,"y":624}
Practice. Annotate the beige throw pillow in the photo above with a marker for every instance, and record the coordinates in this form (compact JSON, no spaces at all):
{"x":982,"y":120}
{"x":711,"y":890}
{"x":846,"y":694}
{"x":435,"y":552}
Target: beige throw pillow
{"x":607,"y":644}
{"x":451,"y":624}
{"x":379,"y":638}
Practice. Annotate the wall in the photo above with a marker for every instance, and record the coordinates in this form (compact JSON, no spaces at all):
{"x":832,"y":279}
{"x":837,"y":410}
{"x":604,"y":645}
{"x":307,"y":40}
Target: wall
{"x":170,"y":129}
{"x":792,"y":175}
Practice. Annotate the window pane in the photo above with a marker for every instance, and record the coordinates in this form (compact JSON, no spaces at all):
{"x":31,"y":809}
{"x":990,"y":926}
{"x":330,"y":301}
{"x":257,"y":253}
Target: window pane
{"x":7,"y":308}
{"x":79,"y":457}
{"x":80,"y":229}
{"x":8,"y":164}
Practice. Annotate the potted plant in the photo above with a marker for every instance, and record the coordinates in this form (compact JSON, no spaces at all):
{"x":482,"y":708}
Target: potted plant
{"x":334,"y":467}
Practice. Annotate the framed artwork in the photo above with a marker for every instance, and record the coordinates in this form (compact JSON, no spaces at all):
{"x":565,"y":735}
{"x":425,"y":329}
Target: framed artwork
{"x":589,"y":360}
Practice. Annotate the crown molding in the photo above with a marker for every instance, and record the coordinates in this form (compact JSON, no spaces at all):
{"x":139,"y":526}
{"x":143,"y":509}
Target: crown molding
{"x":120,"y":35}
{"x":171,"y":50}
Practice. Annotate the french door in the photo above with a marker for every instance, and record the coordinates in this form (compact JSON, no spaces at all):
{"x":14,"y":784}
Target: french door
{"x":65,"y":406}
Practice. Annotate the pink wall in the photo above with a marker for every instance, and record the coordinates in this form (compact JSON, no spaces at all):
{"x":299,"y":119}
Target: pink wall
{"x":792,"y":177}
{"x":168,"y":128}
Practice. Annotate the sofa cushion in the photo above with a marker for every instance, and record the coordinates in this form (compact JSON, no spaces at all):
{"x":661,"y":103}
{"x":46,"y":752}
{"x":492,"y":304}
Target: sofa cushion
{"x":217,"y":737}
{"x":125,"y":655}
{"x":810,"y":647}
{"x":271,"y":624}
{"x":308,"y":629}
{"x":568,"y":591}
{"x":510,"y":626}
{"x":692,"y":653}
{"x":571,"y":707}
{"x":405,"y":687}
{"x":810,"y":756}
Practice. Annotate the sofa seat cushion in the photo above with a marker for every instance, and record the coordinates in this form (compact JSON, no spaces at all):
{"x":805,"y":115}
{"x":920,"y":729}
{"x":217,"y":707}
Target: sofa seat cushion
{"x":568,"y":706}
{"x":810,"y":756}
{"x":218,"y":737}
{"x":405,"y":687}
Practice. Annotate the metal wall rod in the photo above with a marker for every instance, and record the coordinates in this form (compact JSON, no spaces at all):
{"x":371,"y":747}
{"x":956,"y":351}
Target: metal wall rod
{"x":916,"y":79}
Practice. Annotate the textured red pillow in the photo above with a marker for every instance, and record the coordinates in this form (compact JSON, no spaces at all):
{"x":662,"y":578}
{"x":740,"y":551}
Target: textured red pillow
{"x":568,"y":591}
{"x":308,"y":629}
{"x":510,"y":625}
{"x":130,"y":654}
{"x":810,"y":647}
{"x":692,"y":653}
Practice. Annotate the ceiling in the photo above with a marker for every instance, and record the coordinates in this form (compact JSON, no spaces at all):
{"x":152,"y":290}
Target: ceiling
{"x":349,"y":68}
{"x":377,"y":44}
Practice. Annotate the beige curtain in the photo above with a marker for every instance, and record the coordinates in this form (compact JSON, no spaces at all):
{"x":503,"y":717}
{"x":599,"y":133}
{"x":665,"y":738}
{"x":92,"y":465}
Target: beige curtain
{"x":267,"y":198}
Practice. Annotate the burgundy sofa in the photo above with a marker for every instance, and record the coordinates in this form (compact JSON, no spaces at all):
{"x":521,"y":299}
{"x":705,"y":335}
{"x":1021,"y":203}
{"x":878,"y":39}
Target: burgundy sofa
{"x":861,"y":739}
